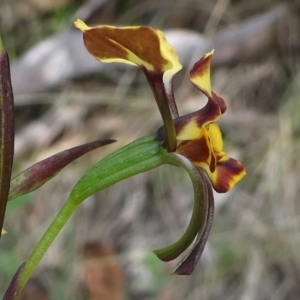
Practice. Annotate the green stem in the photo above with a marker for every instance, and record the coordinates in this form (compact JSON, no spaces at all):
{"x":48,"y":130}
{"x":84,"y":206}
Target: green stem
{"x":40,"y":249}
{"x":139,"y":156}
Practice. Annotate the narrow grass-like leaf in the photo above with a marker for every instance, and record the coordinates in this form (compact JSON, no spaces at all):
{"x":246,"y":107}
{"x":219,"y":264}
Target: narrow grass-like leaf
{"x":41,"y":172}
{"x":140,"y":156}
{"x":6,"y":131}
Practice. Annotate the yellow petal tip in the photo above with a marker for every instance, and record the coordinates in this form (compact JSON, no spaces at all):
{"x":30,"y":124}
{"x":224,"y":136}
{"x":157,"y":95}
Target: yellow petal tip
{"x":3,"y":231}
{"x":79,"y":24}
{"x":210,"y":53}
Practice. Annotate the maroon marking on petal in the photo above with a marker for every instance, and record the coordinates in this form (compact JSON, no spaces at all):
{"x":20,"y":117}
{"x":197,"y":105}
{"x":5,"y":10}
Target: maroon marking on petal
{"x":228,"y":172}
{"x":208,"y":114}
{"x":195,"y":150}
{"x":200,"y":67}
{"x":182,"y":121}
{"x":108,"y":43}
{"x":100,"y":46}
{"x":213,"y":162}
{"x":220,"y":102}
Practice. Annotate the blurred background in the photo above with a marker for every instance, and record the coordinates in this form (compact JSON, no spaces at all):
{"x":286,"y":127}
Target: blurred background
{"x":64,"y":97}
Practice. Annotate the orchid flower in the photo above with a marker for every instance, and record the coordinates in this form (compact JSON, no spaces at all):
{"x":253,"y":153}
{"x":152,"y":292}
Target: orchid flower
{"x":192,"y":141}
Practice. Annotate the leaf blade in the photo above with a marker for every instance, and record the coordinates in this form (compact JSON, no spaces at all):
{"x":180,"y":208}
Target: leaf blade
{"x":41,"y":172}
{"x":6,"y":131}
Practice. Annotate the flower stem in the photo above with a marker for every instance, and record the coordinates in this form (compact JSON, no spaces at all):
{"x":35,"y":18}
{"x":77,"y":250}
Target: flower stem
{"x":137,"y":157}
{"x":162,"y":96}
{"x":40,"y":249}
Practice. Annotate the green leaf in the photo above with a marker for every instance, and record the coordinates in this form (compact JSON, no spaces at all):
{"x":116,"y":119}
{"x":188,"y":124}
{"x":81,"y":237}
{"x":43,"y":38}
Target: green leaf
{"x":140,"y":156}
{"x":41,"y":172}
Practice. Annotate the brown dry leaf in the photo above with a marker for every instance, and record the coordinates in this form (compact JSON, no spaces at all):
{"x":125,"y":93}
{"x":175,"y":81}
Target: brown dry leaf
{"x":101,"y":274}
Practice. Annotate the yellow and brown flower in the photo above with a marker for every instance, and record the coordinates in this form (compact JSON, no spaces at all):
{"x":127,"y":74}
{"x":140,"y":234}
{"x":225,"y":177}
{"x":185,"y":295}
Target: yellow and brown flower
{"x":200,"y":140}
{"x":144,"y":47}
{"x":193,"y":141}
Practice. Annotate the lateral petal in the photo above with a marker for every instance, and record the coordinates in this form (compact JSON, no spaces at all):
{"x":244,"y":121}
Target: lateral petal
{"x":198,"y":119}
{"x":200,"y":74}
{"x":227,"y":174}
{"x":200,"y":77}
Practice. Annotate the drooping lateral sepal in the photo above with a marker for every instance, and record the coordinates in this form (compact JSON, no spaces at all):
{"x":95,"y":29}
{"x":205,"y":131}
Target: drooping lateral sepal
{"x":187,"y":265}
{"x":41,"y":172}
{"x":200,"y":208}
